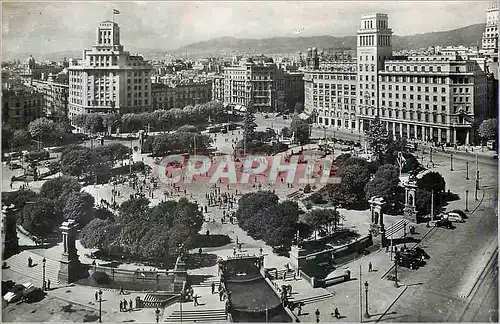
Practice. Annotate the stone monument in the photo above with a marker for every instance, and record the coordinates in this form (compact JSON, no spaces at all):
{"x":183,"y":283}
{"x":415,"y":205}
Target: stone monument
{"x":377,"y":217}
{"x":410,"y":211}
{"x":71,"y":269}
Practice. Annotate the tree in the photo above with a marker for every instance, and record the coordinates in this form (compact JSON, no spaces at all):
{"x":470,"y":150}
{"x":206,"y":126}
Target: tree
{"x":352,"y":185}
{"x":432,"y":181}
{"x":249,"y":125}
{"x":286,"y":132}
{"x":42,"y":217}
{"x":131,"y":122}
{"x":300,"y":129}
{"x":133,"y":209}
{"x":20,"y":138}
{"x":77,"y":161}
{"x":100,"y":234}
{"x":488,"y":130}
{"x":323,"y":220}
{"x":299,"y":108}
{"x":187,"y":129}
{"x":110,"y":121}
{"x":40,"y":128}
{"x":58,"y":189}
{"x":79,"y":120}
{"x":93,"y":122}
{"x":79,"y":206}
{"x":378,"y":139}
{"x":384,"y":184}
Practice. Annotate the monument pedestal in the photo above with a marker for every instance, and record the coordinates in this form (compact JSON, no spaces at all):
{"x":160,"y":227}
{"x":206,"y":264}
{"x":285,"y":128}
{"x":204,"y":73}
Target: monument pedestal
{"x":377,"y":219}
{"x":297,"y":257}
{"x":410,"y":212}
{"x":71,"y":269}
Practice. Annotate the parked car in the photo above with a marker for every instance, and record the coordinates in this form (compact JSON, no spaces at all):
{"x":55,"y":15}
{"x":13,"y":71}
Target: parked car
{"x":461,"y":213}
{"x":408,"y":260}
{"x":14,"y":166}
{"x":420,"y":253}
{"x":285,"y":117}
{"x":454,"y":217}
{"x":19,"y":292}
{"x":444,"y":222}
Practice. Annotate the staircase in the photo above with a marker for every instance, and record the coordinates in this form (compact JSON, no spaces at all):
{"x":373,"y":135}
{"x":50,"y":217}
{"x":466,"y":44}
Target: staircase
{"x":208,"y":283}
{"x":201,"y":316}
{"x":399,"y":226}
{"x":314,"y":299}
{"x":19,"y":263}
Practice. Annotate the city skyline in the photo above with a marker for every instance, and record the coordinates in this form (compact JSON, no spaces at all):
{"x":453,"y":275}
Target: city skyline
{"x":42,"y":27}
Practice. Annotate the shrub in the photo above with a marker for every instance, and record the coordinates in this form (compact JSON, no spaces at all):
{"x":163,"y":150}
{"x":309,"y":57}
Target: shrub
{"x":100,"y":278}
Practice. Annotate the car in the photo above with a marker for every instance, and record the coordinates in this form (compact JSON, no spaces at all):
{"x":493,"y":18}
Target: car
{"x":444,"y":222}
{"x":285,"y":117}
{"x":461,"y":213}
{"x":19,"y":292}
{"x":406,"y":259}
{"x":419,"y":252}
{"x":14,"y":166}
{"x":278,"y":114}
{"x":281,"y":251}
{"x":266,"y":116}
{"x":454,"y":217}
{"x":345,"y":149}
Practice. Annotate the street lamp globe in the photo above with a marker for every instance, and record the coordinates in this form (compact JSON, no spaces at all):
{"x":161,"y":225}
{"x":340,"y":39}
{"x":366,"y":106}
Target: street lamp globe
{"x":100,"y":292}
{"x":366,"y":285}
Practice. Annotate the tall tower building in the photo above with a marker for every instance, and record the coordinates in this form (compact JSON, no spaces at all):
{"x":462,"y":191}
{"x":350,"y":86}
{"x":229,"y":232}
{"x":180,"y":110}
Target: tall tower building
{"x":374,"y":46}
{"x":490,"y":35}
{"x":109,"y":79}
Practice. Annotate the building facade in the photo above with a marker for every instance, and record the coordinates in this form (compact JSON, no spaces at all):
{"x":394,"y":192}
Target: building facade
{"x":439,"y":98}
{"x":109,"y":79}
{"x":218,"y":88}
{"x":431,"y":98}
{"x":180,"y":95}
{"x":55,"y":98}
{"x":260,"y":84}
{"x":294,"y":89}
{"x":330,"y":94}
{"x":20,"y":107}
{"x":489,"y":42}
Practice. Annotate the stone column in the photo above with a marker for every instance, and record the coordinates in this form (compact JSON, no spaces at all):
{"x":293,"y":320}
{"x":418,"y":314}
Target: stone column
{"x":394,"y":129}
{"x":423,"y":133}
{"x":448,"y":138}
{"x":440,"y":140}
{"x":408,"y":135}
{"x":454,"y":136}
{"x":467,"y":137}
{"x":401,"y":130}
{"x":71,"y":269}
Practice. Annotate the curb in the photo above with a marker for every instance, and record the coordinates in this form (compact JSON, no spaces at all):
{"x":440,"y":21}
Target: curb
{"x":392,"y":304}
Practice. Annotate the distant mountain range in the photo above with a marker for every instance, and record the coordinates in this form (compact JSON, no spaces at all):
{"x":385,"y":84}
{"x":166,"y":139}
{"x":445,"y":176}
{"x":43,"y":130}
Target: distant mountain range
{"x":470,"y":35}
{"x":224,"y":46}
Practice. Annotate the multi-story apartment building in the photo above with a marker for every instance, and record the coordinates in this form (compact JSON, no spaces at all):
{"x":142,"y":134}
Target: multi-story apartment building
{"x":330,"y":94}
{"x":294,"y":89}
{"x":109,"y":79}
{"x":258,"y":83}
{"x":165,"y":96}
{"x":55,"y":98}
{"x":489,"y":44}
{"x":374,"y":41}
{"x":21,"y":106}
{"x":431,"y":98}
{"x":218,"y":88}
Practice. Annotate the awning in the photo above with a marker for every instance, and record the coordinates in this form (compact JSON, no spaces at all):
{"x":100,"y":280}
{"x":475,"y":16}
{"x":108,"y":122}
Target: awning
{"x":303,"y":116}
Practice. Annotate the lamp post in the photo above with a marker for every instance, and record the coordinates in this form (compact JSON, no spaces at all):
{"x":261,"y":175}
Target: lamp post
{"x":100,"y":305}
{"x":43,"y":273}
{"x":404,"y":237}
{"x":467,"y":169}
{"x":157,"y":314}
{"x":367,"y":315}
{"x":451,"y":162}
{"x":466,"y":200}
{"x":430,"y":155}
{"x":396,"y":271}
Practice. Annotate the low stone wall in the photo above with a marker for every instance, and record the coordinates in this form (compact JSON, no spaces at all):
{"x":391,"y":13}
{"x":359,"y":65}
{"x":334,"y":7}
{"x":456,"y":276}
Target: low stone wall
{"x":138,"y":280}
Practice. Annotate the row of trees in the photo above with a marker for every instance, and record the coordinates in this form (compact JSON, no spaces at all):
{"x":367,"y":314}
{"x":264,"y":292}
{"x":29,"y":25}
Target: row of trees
{"x":59,"y":199}
{"x":81,"y":161}
{"x":39,"y":131}
{"x":145,"y":233}
{"x":178,"y":142}
{"x":159,"y":120}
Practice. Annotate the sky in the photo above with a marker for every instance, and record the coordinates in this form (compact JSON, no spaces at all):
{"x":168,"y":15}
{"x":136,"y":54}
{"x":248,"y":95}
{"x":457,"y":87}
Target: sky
{"x":55,"y":26}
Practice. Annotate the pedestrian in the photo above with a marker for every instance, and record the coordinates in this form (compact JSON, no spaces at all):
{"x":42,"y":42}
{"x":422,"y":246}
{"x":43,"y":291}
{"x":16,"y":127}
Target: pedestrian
{"x":195,"y":300}
{"x":221,"y":293}
{"x":213,"y":287}
{"x":234,"y":251}
{"x":44,"y":287}
{"x":121,"y":290}
{"x":337,"y":313}
{"x":200,"y":251}
{"x":95,"y":295}
{"x":299,"y":309}
{"x":317,"y":315}
{"x":48,"y":284}
{"x":131,"y":306}
{"x":239,"y":246}
{"x":237,"y":242}
{"x":121,"y":306}
{"x":370,"y":267}
{"x":30,"y":262}
{"x":124,"y":304}
{"x":260,"y":250}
